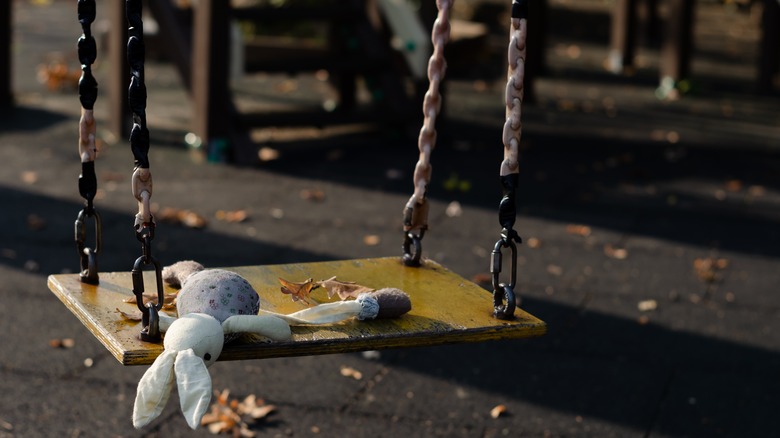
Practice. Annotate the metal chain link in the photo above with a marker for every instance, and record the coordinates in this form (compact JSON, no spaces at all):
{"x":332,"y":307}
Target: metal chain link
{"x":504,"y":300}
{"x":142,"y":177}
{"x":416,"y":209}
{"x":87,"y":53}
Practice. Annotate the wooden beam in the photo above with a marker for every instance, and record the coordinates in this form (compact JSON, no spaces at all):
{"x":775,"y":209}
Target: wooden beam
{"x":6,"y":96}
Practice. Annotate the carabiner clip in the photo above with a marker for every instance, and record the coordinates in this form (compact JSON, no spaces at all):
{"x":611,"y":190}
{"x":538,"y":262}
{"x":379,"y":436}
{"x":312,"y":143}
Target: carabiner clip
{"x":503,"y":294}
{"x":150,"y":319}
{"x":410,"y":258}
{"x":88,"y":256}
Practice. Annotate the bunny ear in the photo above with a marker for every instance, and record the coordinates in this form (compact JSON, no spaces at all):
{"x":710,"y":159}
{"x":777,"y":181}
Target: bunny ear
{"x":154,"y":389}
{"x":194,"y":383}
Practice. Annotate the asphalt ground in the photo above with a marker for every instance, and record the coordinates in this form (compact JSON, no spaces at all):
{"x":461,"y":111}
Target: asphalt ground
{"x":651,"y":246}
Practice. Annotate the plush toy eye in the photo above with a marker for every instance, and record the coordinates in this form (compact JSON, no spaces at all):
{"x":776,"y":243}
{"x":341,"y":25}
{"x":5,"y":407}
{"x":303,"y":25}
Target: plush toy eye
{"x":207,"y":356}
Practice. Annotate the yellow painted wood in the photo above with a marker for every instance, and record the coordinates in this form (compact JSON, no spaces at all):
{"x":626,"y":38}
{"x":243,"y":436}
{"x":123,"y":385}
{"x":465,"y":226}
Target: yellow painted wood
{"x":445,"y":309}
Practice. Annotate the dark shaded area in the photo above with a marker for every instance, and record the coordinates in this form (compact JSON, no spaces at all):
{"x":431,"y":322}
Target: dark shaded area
{"x":53,"y":247}
{"x":589,"y":355}
{"x":23,"y":118}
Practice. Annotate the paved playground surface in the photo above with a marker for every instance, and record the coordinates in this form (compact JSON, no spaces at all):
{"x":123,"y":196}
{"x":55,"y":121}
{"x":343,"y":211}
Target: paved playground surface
{"x":651,"y":248}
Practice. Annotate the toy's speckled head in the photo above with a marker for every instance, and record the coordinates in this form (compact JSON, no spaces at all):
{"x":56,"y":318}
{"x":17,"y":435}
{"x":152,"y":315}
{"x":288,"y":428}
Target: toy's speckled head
{"x":218,"y":293}
{"x":215,"y":292}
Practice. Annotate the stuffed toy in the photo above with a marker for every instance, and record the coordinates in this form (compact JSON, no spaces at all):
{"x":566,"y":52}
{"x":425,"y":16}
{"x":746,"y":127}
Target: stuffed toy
{"x":214,"y":306}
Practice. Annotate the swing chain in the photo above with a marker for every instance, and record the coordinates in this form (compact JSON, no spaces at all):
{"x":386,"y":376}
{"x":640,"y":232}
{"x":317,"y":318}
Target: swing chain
{"x":504,"y":299}
{"x":142,"y":177}
{"x":87,"y":182}
{"x":416,"y":209}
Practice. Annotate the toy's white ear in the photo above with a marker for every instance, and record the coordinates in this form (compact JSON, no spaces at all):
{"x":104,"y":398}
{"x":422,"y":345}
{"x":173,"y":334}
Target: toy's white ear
{"x":269,"y":326}
{"x":194,"y":385}
{"x":154,"y":389}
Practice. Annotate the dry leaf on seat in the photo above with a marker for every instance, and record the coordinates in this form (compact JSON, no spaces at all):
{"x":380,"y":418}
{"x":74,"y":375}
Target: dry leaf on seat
{"x":299,"y":291}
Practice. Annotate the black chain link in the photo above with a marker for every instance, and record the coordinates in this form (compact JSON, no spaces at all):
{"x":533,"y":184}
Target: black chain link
{"x":139,"y":145}
{"x":87,"y":182}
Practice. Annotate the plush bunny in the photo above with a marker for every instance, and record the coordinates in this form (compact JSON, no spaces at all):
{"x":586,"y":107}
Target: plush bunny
{"x":214,"y":306}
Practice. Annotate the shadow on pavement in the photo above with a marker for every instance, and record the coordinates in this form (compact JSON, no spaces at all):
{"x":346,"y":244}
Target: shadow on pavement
{"x":593,"y":364}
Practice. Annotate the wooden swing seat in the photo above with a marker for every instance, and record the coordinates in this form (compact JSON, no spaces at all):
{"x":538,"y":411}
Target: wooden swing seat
{"x":446,"y":309}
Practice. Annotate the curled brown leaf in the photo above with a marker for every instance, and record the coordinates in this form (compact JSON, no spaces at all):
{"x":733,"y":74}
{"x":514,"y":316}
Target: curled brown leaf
{"x":298,"y":291}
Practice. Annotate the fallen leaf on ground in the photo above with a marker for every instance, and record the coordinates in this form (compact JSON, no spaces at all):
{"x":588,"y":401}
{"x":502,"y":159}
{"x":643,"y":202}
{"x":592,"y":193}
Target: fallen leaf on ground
{"x":298,"y":291}
{"x":757,"y":191}
{"x":62,"y":343}
{"x":268,"y":154}
{"x":344,"y":289}
{"x":57,"y":76}
{"x":351,"y":372}
{"x":235,"y":216}
{"x":188,"y":218}
{"x":578,"y":230}
{"x":555,"y":270}
{"x":371,"y":240}
{"x":226,"y":415}
{"x":615,"y":252}
{"x":255,"y":408}
{"x":453,"y":209}
{"x":314,"y":195}
{"x":647,"y":305}
{"x":35,"y":222}
{"x":708,"y":269}
{"x":733,"y":185}
{"x":29,"y":177}
{"x":498,"y":411}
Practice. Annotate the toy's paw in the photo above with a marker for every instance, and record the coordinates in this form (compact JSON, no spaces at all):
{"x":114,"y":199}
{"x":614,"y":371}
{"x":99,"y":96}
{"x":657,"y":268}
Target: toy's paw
{"x":176,"y":274}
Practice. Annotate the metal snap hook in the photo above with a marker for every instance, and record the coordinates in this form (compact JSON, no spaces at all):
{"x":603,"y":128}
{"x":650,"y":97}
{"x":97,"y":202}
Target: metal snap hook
{"x":150,"y":319}
{"x":410,"y":258}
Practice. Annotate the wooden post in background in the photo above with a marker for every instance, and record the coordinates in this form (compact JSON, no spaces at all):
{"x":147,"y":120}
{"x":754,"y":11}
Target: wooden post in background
{"x":623,"y":37}
{"x":210,"y":74}
{"x":118,"y":79}
{"x":677,"y":40}
{"x":537,"y":42}
{"x":6,"y":96}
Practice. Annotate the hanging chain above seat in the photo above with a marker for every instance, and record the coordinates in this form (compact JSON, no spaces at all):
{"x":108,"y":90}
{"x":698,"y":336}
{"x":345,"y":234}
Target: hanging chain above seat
{"x":504,"y":298}
{"x":87,"y":52}
{"x":142,"y":176}
{"x":416,"y":209}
